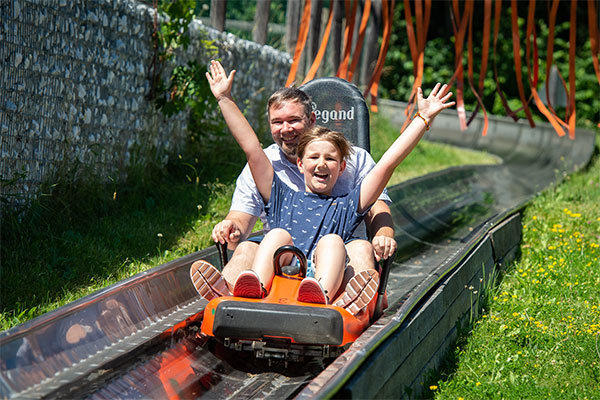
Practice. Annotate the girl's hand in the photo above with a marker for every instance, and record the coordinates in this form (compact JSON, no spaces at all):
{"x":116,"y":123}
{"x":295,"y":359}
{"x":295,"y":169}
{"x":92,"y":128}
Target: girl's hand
{"x":434,"y":103}
{"x":220,"y":83}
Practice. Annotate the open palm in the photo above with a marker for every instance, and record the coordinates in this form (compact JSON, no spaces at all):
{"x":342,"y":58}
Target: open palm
{"x":434,"y":103}
{"x":220,"y":83}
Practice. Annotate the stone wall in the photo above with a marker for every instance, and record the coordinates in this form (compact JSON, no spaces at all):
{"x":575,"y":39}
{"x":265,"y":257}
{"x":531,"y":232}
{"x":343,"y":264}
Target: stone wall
{"x":73,"y":81}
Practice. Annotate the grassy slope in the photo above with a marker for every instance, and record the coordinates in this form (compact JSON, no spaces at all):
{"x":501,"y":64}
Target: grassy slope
{"x":75,"y":244}
{"x":540,"y":331}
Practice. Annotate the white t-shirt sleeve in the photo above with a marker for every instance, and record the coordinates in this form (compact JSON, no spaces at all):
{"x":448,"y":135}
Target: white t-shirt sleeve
{"x":246,"y":197}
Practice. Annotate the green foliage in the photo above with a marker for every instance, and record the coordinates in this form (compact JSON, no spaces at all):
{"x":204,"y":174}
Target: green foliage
{"x":186,"y":87}
{"x":245,"y":10}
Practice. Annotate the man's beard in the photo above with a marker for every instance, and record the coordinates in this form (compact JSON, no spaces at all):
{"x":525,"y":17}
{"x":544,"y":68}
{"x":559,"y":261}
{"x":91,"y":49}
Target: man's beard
{"x":289,"y":152}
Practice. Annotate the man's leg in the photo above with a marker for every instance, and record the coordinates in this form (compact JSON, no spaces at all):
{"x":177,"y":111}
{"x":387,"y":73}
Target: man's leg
{"x":241,"y":260}
{"x":360,"y":278}
{"x":360,"y":255}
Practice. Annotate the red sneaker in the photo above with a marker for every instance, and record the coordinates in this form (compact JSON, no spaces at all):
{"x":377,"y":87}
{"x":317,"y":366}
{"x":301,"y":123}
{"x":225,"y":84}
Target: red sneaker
{"x":311,"y":291}
{"x":248,"y":284}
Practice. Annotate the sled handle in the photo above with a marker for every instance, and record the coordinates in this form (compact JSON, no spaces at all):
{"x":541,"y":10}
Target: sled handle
{"x":386,"y":265}
{"x":289,"y":249}
{"x":222,"y":247}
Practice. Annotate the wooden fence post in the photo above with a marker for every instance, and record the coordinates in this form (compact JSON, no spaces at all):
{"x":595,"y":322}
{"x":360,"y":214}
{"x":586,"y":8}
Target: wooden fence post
{"x":292,"y":24}
{"x":314,"y":33}
{"x":371,"y":46}
{"x":217,"y":14}
{"x":261,"y":21}
{"x":336,"y":33}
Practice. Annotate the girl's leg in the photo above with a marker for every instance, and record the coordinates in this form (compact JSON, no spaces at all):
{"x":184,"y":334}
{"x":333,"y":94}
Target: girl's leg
{"x":330,"y":262}
{"x":263,"y":261}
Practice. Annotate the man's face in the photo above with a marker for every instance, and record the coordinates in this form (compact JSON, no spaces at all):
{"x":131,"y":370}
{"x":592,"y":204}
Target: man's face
{"x":287,"y":123}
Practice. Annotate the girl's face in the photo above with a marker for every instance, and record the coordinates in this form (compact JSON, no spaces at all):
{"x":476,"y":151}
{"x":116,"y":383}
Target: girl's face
{"x":321,"y":165}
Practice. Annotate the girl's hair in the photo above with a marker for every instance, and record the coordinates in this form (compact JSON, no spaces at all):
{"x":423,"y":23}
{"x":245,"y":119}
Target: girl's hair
{"x":290,"y":94}
{"x":317,"y":132}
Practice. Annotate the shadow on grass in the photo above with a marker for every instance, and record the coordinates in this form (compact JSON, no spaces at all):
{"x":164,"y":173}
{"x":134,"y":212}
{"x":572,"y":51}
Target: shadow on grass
{"x":83,"y":236}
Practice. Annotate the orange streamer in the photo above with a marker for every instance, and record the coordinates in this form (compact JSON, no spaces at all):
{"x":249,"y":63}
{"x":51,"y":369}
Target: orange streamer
{"x":470,"y":78}
{"x":302,"y":35}
{"x":517,"y":55}
{"x":417,"y":48}
{"x":497,"y":13}
{"x":533,"y":82}
{"x":459,"y":34}
{"x":373,"y":86}
{"x":572,"y":39}
{"x":317,"y":61}
{"x":342,"y":71}
{"x":361,"y":37}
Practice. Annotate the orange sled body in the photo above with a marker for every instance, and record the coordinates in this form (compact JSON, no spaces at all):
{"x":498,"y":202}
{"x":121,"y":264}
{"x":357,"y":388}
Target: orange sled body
{"x":279,"y":326}
{"x":280,"y":316}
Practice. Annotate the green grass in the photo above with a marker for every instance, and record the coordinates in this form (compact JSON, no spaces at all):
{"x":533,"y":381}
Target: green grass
{"x":82,"y":238}
{"x":539,"y":334}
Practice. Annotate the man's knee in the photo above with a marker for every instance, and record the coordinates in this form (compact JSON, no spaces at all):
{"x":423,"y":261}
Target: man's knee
{"x":360,"y":253}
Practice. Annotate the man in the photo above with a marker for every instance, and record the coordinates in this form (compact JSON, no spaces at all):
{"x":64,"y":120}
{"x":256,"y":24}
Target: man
{"x":290,"y":115}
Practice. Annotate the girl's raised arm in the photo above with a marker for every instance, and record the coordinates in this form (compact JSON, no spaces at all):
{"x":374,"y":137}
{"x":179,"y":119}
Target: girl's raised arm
{"x":379,"y":176}
{"x":260,"y":166}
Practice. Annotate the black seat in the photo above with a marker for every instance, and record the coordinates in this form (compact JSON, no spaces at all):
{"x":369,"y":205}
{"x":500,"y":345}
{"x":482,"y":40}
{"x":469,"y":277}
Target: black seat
{"x":339,"y":105}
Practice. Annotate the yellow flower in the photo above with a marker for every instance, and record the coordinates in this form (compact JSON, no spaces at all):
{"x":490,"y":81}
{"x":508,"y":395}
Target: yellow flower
{"x":433,"y":387}
{"x":478,"y":384}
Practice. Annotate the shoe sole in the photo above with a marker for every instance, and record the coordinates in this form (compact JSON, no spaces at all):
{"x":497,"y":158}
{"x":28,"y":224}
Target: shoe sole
{"x":311,"y":292}
{"x":207,"y":280}
{"x":248,"y":285}
{"x":359,"y":292}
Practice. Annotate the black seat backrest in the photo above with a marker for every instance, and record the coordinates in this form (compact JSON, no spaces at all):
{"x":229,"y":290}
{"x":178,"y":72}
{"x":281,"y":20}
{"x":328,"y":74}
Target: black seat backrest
{"x":340,"y":106}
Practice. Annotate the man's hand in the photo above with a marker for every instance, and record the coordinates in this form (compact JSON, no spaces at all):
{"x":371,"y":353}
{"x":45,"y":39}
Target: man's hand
{"x":220,"y":83}
{"x":236,"y":227}
{"x":384,"y":247}
{"x":226,"y":231}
